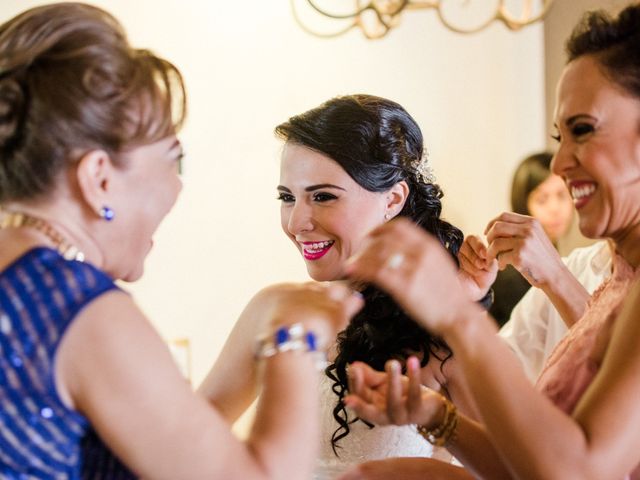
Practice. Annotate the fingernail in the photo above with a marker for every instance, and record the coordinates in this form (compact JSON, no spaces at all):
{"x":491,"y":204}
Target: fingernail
{"x":395,"y":366}
{"x":413,"y":363}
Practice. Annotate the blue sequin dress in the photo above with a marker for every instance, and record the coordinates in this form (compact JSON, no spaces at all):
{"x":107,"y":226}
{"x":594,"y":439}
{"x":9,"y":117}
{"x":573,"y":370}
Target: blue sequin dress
{"x":40,"y":438}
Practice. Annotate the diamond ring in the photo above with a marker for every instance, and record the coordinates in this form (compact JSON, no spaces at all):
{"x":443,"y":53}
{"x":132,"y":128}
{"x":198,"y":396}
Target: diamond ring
{"x":395,"y":260}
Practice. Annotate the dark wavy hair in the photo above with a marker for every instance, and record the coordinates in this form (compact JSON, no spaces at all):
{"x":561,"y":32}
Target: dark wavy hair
{"x":531,"y":172}
{"x":70,"y":82}
{"x":615,"y":43}
{"x":378,"y":144}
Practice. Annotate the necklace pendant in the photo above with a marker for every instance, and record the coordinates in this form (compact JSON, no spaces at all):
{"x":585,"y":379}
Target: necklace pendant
{"x":72,"y":253}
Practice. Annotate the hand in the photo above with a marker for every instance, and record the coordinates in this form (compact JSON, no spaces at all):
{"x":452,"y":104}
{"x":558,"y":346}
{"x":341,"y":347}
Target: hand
{"x":416,"y":270}
{"x":520,"y":240}
{"x":389,"y":397}
{"x":324,"y":309}
{"x":477,"y":272}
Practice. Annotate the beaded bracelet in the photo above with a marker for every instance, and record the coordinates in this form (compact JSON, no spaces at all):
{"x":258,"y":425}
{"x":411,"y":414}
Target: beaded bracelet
{"x":445,"y":432}
{"x":291,"y":338}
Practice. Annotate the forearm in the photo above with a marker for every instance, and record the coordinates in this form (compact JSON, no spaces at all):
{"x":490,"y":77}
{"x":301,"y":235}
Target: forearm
{"x":518,"y":420}
{"x":232,"y":384}
{"x":472,"y":447}
{"x":567,"y":294}
{"x":285,"y":433}
{"x":228,"y":391}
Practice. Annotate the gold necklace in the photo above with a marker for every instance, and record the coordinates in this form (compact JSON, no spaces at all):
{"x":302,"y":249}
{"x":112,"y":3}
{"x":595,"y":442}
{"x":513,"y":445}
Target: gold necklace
{"x":18,"y":219}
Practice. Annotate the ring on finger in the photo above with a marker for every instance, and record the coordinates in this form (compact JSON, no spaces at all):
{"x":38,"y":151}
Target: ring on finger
{"x":395,"y":261}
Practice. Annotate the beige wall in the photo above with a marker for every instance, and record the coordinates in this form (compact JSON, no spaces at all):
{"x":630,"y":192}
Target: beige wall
{"x":479,"y":100}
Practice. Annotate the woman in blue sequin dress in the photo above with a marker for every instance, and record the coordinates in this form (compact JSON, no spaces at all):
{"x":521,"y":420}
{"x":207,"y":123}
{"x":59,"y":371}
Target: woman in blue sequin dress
{"x":88,"y":168}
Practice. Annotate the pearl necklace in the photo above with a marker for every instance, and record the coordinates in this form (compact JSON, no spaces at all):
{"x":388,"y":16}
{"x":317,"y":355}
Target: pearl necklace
{"x":18,"y":219}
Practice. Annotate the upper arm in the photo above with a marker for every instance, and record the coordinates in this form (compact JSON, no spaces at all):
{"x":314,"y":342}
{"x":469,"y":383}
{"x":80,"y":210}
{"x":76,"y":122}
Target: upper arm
{"x":119,"y":373}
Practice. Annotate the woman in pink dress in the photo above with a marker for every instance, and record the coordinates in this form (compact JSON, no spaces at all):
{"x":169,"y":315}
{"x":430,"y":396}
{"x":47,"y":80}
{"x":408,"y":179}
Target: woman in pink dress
{"x":581,"y":420}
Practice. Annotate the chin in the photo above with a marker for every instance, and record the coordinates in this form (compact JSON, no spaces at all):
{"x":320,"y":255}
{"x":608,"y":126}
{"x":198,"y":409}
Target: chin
{"x":589,"y":230}
{"x":133,"y":275}
{"x":325,"y":276}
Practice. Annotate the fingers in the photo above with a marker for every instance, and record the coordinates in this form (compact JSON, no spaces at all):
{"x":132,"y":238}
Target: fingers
{"x":414,"y":397}
{"x":390,"y":250}
{"x":355,"y":378}
{"x":362,"y":377}
{"x":507,"y":217}
{"x":473,"y":254}
{"x":396,"y":410}
{"x":475,"y":250}
{"x":502,"y":250}
{"x":366,"y":410}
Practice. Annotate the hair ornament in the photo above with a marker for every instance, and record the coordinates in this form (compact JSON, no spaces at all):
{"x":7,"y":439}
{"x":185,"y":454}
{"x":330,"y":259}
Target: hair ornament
{"x":424,"y":172}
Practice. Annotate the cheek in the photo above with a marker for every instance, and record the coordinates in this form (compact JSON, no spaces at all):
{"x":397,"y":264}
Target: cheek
{"x":536,"y":211}
{"x":284,"y":221}
{"x":357,"y":229}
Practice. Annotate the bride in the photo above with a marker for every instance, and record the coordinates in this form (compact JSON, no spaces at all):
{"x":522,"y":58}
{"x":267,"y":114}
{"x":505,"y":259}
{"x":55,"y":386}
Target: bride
{"x":348,"y":166}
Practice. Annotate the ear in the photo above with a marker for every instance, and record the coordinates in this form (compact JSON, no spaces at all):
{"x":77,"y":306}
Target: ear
{"x":396,"y":196}
{"x":95,"y":175}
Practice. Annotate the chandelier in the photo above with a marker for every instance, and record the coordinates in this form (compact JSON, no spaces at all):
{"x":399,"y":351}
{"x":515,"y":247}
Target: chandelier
{"x":375,"y":18}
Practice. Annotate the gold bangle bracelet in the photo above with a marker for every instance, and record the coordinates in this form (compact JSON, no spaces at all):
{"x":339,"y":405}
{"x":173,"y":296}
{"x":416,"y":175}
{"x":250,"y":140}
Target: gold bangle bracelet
{"x":443,"y":433}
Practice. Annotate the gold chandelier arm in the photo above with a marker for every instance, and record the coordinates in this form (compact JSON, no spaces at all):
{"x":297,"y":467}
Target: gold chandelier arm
{"x":345,"y":16}
{"x":513,"y":23}
{"x":501,"y":15}
{"x":465,"y":31}
{"x":385,"y":19}
{"x":301,"y":24}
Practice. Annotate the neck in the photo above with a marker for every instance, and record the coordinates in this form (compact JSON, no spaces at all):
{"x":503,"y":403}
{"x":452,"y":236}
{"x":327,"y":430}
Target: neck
{"x":59,"y":230}
{"x":627,"y":245}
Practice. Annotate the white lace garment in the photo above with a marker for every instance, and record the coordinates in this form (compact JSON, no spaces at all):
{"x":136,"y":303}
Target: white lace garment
{"x":364,"y":443}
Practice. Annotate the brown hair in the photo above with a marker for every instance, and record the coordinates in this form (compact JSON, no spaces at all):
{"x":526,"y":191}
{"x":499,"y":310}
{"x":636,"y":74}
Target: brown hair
{"x":531,"y":172}
{"x":70,"y":83}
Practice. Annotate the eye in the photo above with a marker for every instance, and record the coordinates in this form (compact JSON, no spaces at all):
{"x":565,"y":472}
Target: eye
{"x":556,"y":137}
{"x":285,"y":197}
{"x":323,"y":197}
{"x":581,"y":129}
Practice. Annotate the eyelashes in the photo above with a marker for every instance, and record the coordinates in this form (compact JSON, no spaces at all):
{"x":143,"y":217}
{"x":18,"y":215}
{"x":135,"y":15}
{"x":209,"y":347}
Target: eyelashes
{"x":285,"y":197}
{"x":319,"y":197}
{"x":578,"y":131}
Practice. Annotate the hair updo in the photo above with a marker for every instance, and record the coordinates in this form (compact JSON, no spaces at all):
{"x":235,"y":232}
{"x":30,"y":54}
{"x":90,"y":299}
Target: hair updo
{"x":615,"y":43}
{"x":70,"y":83}
{"x":378,"y":144}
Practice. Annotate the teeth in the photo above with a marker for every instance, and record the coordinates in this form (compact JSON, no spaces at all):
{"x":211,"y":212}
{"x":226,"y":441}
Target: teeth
{"x":584,"y":191}
{"x":318,"y":246}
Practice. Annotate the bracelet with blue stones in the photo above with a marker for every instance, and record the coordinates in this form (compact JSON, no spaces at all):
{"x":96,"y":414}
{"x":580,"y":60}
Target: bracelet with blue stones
{"x":290,"y":338}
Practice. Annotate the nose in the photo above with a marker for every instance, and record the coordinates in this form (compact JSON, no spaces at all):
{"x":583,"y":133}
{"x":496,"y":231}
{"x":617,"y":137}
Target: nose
{"x":300,"y":219}
{"x":562,"y":160}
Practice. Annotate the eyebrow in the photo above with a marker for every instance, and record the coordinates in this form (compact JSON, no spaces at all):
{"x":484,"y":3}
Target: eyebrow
{"x":312,"y":188}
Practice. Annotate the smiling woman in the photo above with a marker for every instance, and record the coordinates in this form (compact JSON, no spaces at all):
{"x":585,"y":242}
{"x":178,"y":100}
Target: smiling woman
{"x":348,"y":167}
{"x":582,"y":419}
{"x":89,"y":164}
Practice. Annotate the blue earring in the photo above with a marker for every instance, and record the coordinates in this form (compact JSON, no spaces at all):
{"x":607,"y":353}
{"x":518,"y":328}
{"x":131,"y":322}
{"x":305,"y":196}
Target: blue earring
{"x":107,"y":213}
